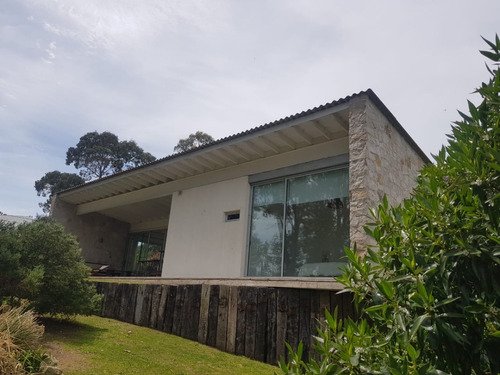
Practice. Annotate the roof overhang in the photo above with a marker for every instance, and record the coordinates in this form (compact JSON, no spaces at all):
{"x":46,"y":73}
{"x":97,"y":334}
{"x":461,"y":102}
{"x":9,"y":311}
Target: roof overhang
{"x":144,"y":193}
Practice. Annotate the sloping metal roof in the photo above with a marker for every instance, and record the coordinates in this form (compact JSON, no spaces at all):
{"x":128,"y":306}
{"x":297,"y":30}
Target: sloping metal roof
{"x":317,"y":125}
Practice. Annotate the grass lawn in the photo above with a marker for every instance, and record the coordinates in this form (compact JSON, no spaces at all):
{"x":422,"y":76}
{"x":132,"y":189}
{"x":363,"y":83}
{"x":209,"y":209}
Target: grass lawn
{"x":93,"y":345}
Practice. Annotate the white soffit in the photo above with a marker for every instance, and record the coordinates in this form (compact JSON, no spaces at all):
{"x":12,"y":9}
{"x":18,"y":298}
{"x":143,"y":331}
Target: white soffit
{"x":318,"y":127}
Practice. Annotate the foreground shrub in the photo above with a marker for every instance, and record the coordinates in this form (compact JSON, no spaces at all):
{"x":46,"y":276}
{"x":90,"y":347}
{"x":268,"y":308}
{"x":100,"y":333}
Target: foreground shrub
{"x":9,"y":364}
{"x":50,"y":269}
{"x":19,"y":327}
{"x":20,"y":335}
{"x":31,"y":360}
{"x":430,"y":289}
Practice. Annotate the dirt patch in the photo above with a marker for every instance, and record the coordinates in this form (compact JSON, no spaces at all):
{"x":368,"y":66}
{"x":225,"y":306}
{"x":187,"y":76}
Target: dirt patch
{"x":67,"y":359}
{"x":57,"y":332}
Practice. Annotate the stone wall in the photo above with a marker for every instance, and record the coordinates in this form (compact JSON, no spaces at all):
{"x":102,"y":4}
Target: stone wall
{"x":381,"y":163}
{"x":103,"y":240}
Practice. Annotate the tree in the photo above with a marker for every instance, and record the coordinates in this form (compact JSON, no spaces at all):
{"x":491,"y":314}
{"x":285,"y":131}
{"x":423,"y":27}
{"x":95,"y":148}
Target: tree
{"x":429,"y":291}
{"x":193,"y":141}
{"x":54,"y":182}
{"x":100,"y":154}
{"x":42,"y":263}
{"x":9,"y":258}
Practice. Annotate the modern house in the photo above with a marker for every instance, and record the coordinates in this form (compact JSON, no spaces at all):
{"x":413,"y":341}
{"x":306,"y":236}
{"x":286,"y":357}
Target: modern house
{"x":278,"y":200}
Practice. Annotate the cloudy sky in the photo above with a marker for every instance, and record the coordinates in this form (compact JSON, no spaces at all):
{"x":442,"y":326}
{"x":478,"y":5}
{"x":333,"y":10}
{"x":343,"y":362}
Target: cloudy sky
{"x":157,"y":70}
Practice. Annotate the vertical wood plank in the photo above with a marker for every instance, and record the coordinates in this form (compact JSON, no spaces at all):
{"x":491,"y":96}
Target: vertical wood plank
{"x":178,"y":311}
{"x":192,"y":311}
{"x":212,"y":316}
{"x":271,"y":328}
{"x":232,"y":315}
{"x":123,"y":302}
{"x":184,"y":326}
{"x":250,"y":321}
{"x":168,"y":322}
{"x":239,"y":348}
{"x":162,"y":307}
{"x":110,"y":300}
{"x":131,"y":296}
{"x":220,"y":342}
{"x":139,"y":301}
{"x":305,"y":321}
{"x":155,"y":305}
{"x":115,"y":311}
{"x":261,"y":325}
{"x":146,"y":306}
{"x":281,"y":322}
{"x":203,"y":319}
{"x":315,"y":310}
{"x":292,"y":322}
{"x":315,"y":320}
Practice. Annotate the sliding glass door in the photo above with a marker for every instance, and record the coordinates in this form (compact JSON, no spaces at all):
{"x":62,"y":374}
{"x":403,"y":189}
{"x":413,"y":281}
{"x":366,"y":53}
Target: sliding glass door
{"x":145,"y":251}
{"x":300,"y":225}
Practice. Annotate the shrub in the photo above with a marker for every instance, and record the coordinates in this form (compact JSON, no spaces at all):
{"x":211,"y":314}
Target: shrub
{"x":19,"y":338}
{"x":18,"y":326}
{"x":10,"y":275}
{"x":9,"y":364}
{"x":54,"y":271}
{"x":31,"y":360}
{"x":47,"y":269}
{"x":429,"y":291}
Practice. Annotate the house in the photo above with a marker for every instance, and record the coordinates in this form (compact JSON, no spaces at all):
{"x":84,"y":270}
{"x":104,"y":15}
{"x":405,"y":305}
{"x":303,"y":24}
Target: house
{"x":278,"y":200}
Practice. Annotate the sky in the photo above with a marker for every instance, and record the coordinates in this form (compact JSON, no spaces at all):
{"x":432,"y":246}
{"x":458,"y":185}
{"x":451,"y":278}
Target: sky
{"x":155,"y":71}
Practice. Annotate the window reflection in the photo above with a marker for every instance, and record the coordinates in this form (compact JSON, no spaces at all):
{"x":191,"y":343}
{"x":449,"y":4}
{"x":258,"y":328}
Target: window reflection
{"x":144,"y":256}
{"x":300,"y":225}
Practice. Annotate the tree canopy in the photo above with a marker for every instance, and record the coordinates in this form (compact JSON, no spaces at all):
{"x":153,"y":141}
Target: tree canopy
{"x":193,"y":141}
{"x":429,"y":290}
{"x":54,"y":182}
{"x":100,"y":154}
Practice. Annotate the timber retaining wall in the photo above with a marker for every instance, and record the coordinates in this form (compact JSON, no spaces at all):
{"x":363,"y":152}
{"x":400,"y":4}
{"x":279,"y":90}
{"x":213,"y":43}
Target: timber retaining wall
{"x":244,"y":320}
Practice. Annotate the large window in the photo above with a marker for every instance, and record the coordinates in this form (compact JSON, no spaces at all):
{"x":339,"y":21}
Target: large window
{"x":144,"y":256}
{"x":300,"y":225}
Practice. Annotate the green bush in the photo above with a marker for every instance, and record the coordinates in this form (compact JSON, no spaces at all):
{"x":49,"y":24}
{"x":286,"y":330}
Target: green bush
{"x":10,"y":275}
{"x":47,"y":269}
{"x":32,"y":359}
{"x":429,"y":291}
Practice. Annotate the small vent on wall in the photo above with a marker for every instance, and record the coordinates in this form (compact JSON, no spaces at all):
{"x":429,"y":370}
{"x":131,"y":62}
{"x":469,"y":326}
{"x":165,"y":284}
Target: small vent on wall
{"x":232,"y":215}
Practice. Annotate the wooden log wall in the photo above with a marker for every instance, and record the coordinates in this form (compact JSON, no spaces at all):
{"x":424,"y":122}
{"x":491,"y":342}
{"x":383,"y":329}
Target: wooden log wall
{"x":251,"y":321}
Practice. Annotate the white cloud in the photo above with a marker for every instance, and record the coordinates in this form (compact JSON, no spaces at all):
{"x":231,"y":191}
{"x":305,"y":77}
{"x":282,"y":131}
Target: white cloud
{"x":156,"y":70}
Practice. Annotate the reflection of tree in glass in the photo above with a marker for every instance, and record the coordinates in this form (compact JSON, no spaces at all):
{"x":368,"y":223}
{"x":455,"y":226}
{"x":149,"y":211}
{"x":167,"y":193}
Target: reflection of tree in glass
{"x":313,"y":229}
{"x":267,"y":230}
{"x":317,"y":223}
{"x":265,"y":257}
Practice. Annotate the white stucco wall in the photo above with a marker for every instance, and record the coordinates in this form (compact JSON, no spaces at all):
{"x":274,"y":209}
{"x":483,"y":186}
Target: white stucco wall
{"x":200,"y":243}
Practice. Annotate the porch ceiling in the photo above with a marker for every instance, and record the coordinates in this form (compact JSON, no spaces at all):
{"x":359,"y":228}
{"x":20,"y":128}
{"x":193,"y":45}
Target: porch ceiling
{"x":153,"y":210}
{"x":310,"y":129}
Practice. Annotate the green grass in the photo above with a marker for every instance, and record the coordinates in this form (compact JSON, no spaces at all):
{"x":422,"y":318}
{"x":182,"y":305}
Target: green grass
{"x":94,"y":345}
